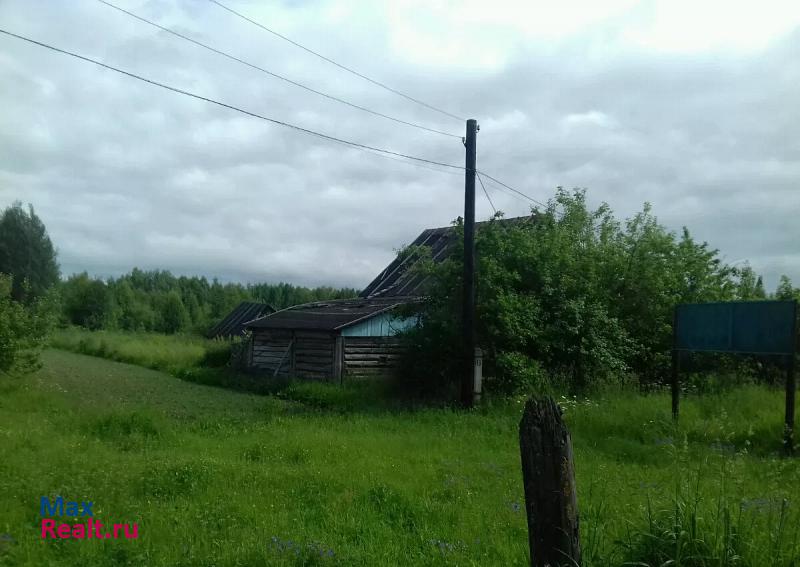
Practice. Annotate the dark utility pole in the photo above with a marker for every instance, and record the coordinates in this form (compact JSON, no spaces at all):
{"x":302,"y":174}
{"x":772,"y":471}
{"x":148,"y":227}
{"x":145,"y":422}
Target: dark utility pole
{"x":468,"y":315}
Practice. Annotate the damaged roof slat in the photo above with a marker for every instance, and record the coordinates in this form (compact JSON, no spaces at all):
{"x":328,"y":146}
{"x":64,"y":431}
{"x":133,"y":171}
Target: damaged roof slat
{"x":234,"y":322}
{"x":398,"y":280}
{"x":328,"y":316}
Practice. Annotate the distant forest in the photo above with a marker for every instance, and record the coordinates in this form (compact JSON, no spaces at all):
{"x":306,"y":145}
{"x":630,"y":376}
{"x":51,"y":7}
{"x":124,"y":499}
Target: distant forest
{"x":159,"y":301}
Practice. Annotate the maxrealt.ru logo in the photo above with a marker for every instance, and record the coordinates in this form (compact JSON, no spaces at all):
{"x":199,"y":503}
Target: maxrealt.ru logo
{"x":88,"y":530}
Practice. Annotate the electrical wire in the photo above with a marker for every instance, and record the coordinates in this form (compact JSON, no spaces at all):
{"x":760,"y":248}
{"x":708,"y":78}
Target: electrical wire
{"x":517,"y":191}
{"x":415,"y":164}
{"x":505,"y":191}
{"x":414,"y":160}
{"x":230,"y":106}
{"x":485,"y":192}
{"x":339,"y":65}
{"x":275,"y":75}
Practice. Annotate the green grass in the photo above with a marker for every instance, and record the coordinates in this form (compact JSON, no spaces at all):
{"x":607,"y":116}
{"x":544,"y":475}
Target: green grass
{"x":320,"y":477}
{"x":176,"y":354}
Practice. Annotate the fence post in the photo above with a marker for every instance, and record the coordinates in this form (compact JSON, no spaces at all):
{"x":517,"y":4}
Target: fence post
{"x":548,"y":475}
{"x":791,"y":389}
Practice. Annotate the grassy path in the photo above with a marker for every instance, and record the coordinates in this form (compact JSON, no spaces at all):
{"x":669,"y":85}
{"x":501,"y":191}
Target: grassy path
{"x":216,"y":477}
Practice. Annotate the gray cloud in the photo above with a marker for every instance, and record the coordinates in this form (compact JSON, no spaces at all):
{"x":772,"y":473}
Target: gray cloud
{"x":125,"y":174}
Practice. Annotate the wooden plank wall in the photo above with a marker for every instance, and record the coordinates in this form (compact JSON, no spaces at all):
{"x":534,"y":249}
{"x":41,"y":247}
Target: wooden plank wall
{"x":371,"y":357}
{"x":268,"y":348}
{"x":311,"y":354}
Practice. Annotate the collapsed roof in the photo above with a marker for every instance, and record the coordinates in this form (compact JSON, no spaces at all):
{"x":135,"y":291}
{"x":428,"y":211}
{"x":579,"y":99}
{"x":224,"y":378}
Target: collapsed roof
{"x":328,"y":315}
{"x":397,"y":280}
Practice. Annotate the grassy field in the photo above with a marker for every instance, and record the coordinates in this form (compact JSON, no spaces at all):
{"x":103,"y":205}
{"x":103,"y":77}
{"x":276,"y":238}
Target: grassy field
{"x":185,"y":356}
{"x":317,"y":477}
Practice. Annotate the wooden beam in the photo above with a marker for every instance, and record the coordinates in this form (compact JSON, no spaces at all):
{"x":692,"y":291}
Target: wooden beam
{"x":548,"y":475}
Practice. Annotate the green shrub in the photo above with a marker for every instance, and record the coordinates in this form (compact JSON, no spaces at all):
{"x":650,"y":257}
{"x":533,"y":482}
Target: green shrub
{"x":218,"y":353}
{"x":23,"y":329}
{"x":518,"y":374}
{"x":586,"y":296}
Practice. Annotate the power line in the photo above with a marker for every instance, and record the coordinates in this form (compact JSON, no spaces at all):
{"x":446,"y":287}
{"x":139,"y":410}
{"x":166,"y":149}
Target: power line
{"x":505,"y":191}
{"x":339,"y":65}
{"x":517,"y":191}
{"x":485,"y":192}
{"x":415,"y":164}
{"x":276,"y":75}
{"x":230,"y":106}
{"x":415,"y":160}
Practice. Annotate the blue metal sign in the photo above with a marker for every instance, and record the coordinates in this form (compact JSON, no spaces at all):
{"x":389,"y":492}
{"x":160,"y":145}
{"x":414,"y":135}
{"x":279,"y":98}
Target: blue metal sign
{"x":752,"y":327}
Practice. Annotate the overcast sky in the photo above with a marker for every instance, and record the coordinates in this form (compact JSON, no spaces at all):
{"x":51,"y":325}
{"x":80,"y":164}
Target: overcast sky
{"x":691,"y":105}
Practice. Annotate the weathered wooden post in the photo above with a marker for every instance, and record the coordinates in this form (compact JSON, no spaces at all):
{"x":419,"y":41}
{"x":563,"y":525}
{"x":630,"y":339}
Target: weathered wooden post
{"x":676,"y":367}
{"x":791,"y":385}
{"x":548,"y":474}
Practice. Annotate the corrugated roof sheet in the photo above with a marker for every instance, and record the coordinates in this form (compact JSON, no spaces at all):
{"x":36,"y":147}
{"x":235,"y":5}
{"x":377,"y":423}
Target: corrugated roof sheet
{"x":396,"y":280}
{"x":233,"y":323}
{"x":327,"y":315}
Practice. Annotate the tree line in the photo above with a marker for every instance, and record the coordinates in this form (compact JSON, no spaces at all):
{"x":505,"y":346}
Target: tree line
{"x":161,"y":302}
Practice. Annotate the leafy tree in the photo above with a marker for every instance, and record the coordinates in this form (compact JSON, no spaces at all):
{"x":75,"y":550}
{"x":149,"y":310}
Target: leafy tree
{"x":26,"y":253}
{"x":23,"y":329}
{"x":750,"y":285}
{"x":174,"y":316}
{"x":570,"y":295}
{"x":86,"y":301}
{"x":785,"y":290}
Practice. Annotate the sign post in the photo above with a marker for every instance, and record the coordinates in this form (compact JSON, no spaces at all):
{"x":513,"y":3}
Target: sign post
{"x":739,"y":327}
{"x":791,"y":393}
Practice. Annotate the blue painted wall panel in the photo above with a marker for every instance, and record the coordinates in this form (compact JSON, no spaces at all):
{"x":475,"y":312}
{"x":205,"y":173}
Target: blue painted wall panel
{"x":382,"y":325}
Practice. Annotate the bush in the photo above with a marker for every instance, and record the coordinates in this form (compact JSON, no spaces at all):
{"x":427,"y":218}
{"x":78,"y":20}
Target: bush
{"x":23,"y":329}
{"x":218,"y":353}
{"x":518,"y":374}
{"x":570,"y":292}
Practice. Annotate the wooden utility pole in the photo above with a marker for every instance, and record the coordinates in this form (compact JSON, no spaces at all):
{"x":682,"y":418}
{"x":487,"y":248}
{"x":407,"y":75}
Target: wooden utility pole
{"x":548,"y":476}
{"x":468,"y":312}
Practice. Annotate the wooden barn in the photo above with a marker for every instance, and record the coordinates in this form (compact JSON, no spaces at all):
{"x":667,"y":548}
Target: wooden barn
{"x":330,"y":340}
{"x":335,"y":340}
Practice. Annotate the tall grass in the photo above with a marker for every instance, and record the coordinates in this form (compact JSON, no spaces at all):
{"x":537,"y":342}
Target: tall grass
{"x":175,"y":354}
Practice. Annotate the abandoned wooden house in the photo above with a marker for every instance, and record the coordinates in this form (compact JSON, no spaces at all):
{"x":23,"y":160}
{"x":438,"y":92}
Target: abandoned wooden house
{"x":330,"y":339}
{"x":339,"y":339}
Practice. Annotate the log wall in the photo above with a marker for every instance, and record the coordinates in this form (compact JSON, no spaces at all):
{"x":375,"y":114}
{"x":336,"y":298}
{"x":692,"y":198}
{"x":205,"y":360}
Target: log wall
{"x":269,"y":350}
{"x":313,"y":355}
{"x":324,"y":356}
{"x":301,"y":354}
{"x":371,"y":356}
